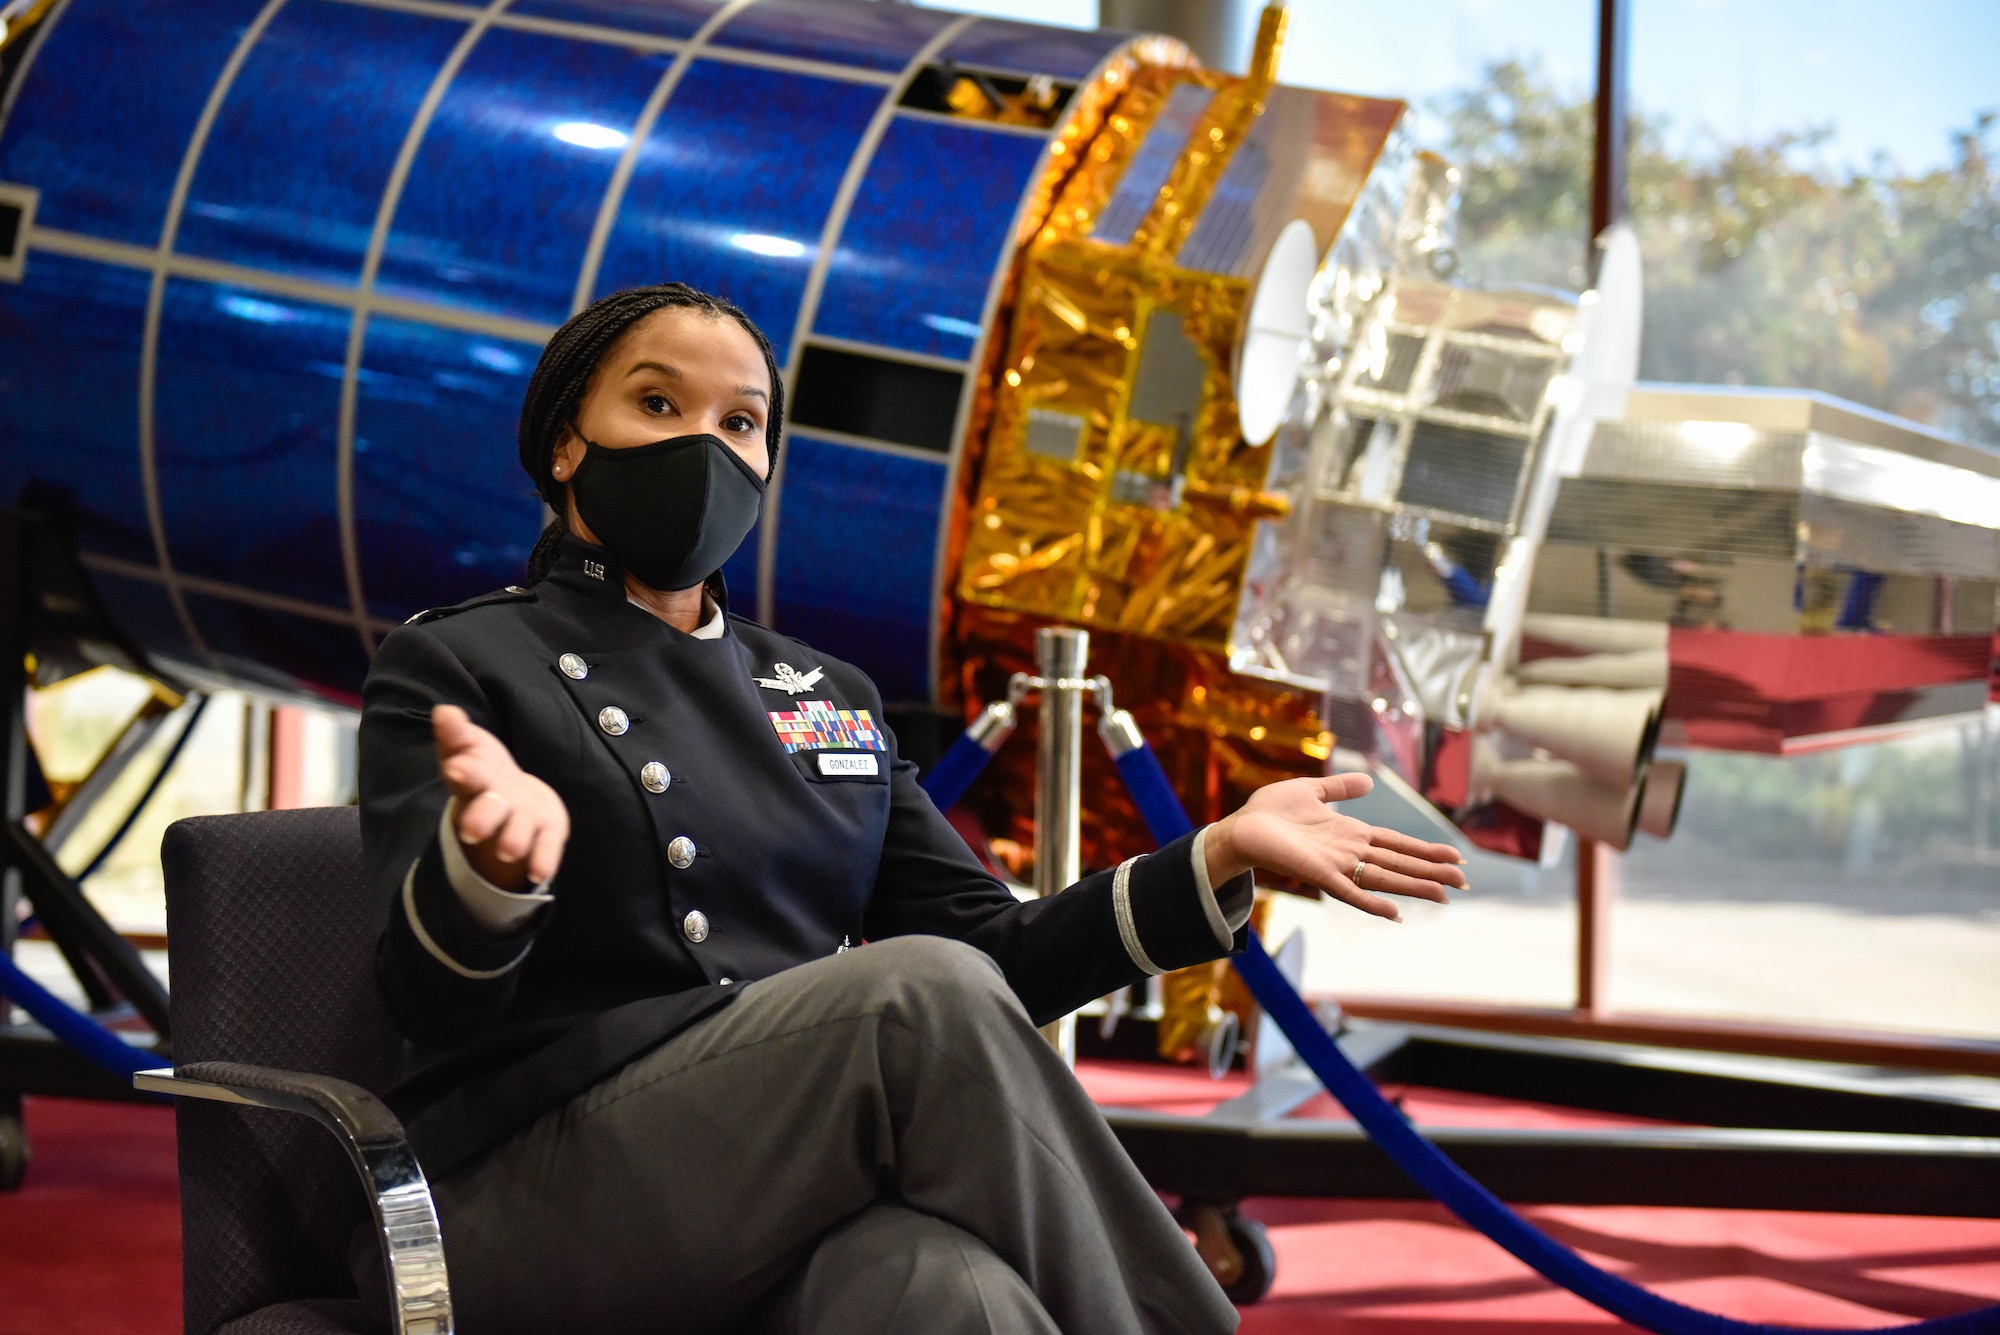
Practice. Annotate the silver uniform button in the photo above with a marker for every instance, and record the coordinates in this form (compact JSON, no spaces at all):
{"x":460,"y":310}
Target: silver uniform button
{"x":654,"y":776}
{"x":724,"y":982}
{"x":573,"y":666}
{"x":612,"y":719}
{"x":681,"y":852}
{"x":695,"y":926}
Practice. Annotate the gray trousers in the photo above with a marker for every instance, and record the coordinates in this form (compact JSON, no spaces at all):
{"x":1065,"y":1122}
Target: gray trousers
{"x":879,"y":1141}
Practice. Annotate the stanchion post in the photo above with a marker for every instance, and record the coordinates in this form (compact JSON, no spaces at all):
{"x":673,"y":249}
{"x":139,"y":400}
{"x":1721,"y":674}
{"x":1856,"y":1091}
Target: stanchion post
{"x":1060,"y":655}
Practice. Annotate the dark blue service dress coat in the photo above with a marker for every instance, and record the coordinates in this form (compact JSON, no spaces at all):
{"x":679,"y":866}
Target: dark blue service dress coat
{"x":737,"y":807}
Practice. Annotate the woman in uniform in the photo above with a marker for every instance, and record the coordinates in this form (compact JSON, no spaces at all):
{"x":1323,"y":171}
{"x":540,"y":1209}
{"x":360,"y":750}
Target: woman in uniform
{"x":714,"y":1023}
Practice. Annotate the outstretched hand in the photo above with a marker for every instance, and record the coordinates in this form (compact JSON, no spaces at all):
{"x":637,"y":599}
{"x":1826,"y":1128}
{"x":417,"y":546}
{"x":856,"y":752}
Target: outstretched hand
{"x":1289,"y":830}
{"x":511,"y":824}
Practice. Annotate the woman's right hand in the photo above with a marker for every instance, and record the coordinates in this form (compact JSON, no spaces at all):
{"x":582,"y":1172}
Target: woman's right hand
{"x":512,"y":825}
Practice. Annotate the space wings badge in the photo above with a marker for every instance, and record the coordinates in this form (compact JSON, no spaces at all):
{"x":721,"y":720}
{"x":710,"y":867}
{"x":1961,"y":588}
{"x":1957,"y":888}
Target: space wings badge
{"x":790,"y":680}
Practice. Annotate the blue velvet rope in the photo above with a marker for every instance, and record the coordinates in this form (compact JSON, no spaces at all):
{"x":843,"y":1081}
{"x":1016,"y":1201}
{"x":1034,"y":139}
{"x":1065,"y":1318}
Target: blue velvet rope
{"x":1166,"y":819}
{"x":71,"y":1026}
{"x":1153,"y":795}
{"x":1429,"y":1167}
{"x":955,"y":771}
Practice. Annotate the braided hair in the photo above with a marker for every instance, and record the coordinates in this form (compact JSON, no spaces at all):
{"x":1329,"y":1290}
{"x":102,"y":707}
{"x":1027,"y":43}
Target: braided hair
{"x":563,"y":374}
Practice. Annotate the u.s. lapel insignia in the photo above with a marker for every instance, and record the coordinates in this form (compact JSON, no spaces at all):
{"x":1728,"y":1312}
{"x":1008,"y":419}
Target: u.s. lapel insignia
{"x":790,"y":680}
{"x":594,"y":569}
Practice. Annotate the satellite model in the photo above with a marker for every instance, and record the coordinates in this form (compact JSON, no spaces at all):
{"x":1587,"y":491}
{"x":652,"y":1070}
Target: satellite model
{"x":1076,"y":332}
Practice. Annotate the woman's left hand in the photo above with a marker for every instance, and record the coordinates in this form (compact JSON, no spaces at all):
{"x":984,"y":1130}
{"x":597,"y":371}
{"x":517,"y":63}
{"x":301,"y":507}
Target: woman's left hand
{"x":1288,"y":829}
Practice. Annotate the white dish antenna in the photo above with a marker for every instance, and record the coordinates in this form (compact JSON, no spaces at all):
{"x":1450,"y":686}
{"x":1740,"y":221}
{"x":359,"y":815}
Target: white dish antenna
{"x":1275,"y":335}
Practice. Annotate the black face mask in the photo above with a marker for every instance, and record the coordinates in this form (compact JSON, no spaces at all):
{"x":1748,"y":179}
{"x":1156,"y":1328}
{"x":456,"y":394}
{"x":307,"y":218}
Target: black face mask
{"x":671,"y":512}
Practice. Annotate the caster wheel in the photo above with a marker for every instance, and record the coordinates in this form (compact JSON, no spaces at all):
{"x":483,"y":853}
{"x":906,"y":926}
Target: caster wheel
{"x":1260,"y":1263}
{"x":13,"y":1144}
{"x":1224,"y":1038}
{"x":1237,"y":1251}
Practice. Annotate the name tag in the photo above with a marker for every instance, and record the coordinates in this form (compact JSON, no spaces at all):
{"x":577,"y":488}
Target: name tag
{"x":848,"y":764}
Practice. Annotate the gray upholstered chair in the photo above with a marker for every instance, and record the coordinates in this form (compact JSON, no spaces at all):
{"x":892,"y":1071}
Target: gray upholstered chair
{"x":275,"y":1007}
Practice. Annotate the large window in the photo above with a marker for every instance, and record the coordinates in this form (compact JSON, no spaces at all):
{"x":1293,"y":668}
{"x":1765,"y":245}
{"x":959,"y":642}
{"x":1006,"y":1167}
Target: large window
{"x":1815,"y":187}
{"x":1816,"y":197}
{"x":1503,"y":90}
{"x":1819,"y":203}
{"x":1857,"y":888}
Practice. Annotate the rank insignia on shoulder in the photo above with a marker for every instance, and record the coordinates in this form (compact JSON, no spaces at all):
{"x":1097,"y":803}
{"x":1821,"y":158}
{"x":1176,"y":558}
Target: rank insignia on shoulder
{"x":818,"y":725}
{"x":513,"y":593}
{"x":790,"y":680}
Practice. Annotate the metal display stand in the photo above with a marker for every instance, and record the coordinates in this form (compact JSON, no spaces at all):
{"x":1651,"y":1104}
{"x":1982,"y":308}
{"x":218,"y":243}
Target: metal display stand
{"x":1752,"y":1133}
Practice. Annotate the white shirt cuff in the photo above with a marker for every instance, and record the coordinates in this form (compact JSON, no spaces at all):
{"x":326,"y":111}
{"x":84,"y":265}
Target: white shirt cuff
{"x":497,"y":910}
{"x":1224,"y":927}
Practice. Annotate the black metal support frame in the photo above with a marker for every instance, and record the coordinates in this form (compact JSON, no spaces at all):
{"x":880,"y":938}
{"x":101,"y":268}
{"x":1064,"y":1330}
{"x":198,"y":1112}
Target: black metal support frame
{"x":1761,"y":1133}
{"x":37,"y":563}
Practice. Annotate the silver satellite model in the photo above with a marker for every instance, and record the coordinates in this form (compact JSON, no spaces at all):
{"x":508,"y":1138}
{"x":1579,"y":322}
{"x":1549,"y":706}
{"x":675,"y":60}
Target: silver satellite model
{"x":1515,"y":572}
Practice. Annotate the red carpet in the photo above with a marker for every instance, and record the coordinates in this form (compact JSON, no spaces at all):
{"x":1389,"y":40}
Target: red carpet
{"x":92,"y":1246}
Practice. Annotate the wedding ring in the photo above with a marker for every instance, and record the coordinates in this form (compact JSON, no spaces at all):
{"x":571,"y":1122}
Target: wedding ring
{"x":1355,"y":875}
